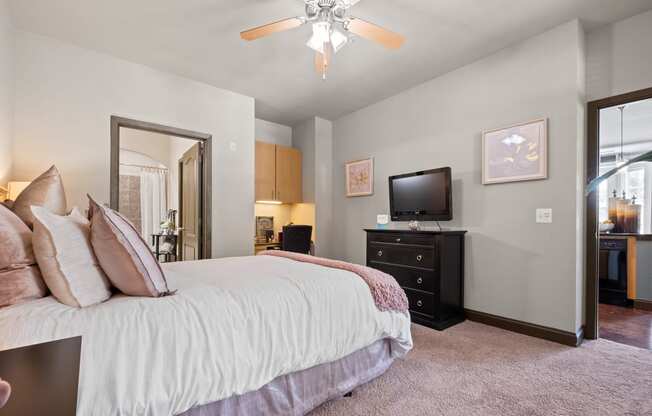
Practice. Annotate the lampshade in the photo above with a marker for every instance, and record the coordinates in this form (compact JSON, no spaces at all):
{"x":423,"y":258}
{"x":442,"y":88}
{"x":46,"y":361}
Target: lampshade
{"x":15,"y":188}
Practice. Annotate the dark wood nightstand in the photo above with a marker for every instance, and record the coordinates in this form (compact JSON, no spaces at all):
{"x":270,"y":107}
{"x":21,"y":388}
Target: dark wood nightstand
{"x":43,"y":378}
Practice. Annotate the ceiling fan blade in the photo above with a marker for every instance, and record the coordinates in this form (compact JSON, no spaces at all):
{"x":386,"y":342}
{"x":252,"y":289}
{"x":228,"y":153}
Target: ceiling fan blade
{"x":375,"y":33}
{"x":268,"y":29}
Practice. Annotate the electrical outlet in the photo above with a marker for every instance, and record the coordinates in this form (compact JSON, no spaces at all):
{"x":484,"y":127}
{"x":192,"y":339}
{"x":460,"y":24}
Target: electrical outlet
{"x":233,"y":146}
{"x":544,"y":216}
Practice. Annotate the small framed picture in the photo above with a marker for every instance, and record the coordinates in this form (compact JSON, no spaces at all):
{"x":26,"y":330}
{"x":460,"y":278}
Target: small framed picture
{"x":515,"y":153}
{"x":360,"y":178}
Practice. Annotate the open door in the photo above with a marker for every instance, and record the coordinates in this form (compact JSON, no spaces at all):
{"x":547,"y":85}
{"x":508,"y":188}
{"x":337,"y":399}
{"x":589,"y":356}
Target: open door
{"x":190,"y":203}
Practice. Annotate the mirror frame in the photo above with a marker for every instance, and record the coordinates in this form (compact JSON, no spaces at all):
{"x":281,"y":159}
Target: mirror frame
{"x":205,"y":226}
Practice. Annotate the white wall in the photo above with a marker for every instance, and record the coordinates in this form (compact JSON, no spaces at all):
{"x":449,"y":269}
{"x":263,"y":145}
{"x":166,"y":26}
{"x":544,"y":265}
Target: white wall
{"x":314,"y":137}
{"x":514,"y":267}
{"x":324,"y":186}
{"x":269,"y":132}
{"x":154,"y":145}
{"x":619,"y":57}
{"x":303,"y":138}
{"x":6,"y":92}
{"x":65,"y":96}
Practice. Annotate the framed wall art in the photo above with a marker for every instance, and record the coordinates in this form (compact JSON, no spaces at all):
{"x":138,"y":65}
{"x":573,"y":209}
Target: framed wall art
{"x":515,"y":153}
{"x":360,"y":177}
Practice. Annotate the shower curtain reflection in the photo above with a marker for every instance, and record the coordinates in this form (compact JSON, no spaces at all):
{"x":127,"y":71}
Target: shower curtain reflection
{"x":153,"y":199}
{"x":143,"y":191}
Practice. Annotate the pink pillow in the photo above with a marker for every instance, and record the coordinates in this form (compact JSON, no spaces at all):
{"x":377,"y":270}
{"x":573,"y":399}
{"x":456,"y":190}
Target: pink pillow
{"x":63,"y":251}
{"x":20,"y":278}
{"x":45,"y":191}
{"x":123,"y":255}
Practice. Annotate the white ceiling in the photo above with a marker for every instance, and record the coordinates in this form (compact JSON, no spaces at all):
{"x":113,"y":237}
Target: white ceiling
{"x":199,"y":39}
{"x":637,"y":124}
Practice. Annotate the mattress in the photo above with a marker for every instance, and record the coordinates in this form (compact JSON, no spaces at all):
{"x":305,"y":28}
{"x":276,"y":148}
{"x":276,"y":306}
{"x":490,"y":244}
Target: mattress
{"x":234,"y":325}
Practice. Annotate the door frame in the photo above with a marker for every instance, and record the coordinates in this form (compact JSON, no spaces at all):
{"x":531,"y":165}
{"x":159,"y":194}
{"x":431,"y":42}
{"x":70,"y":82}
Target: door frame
{"x":592,"y":210}
{"x":205,"y":217}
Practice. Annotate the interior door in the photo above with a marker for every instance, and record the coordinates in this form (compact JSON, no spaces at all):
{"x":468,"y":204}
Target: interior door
{"x":288,"y":175}
{"x":265,"y":171}
{"x":190,"y":203}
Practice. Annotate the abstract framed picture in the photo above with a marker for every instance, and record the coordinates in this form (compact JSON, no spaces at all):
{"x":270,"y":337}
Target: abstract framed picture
{"x":515,"y":153}
{"x":360,"y":177}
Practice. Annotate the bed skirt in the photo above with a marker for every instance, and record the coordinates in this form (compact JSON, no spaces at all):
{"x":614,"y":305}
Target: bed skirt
{"x":296,"y":394}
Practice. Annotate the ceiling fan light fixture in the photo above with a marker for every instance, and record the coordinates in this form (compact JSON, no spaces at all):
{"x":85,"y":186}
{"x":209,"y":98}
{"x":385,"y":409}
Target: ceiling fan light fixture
{"x":320,"y":36}
{"x":332,"y":29}
{"x":338,"y":39}
{"x":323,"y":33}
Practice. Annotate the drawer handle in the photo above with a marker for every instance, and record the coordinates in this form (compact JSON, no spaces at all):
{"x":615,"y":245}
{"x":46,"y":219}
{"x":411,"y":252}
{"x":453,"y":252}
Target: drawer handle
{"x":419,"y":303}
{"x":398,"y":240}
{"x":380,"y":253}
{"x":419,"y":281}
{"x":419,"y":257}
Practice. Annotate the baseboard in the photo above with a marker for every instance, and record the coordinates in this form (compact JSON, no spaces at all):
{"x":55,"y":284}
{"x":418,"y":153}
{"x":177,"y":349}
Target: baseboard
{"x":645,"y":305}
{"x":525,"y":328}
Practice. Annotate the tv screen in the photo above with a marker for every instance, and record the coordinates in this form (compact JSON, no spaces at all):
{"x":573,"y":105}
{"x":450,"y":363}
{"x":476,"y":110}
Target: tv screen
{"x":422,"y":196}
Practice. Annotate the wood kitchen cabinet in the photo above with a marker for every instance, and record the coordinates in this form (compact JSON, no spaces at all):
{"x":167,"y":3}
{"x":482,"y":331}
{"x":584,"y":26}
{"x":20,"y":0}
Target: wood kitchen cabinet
{"x":278,"y":173}
{"x":288,"y":175}
{"x":265,"y":171}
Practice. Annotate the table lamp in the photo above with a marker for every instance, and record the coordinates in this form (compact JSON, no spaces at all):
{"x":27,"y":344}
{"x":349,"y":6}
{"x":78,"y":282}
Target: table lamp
{"x":15,"y":188}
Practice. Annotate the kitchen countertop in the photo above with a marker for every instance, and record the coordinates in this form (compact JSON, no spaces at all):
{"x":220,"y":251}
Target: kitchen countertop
{"x":640,"y":237}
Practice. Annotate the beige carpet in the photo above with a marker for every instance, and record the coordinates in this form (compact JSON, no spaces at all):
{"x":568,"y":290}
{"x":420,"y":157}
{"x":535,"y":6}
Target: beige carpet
{"x":474,"y":369}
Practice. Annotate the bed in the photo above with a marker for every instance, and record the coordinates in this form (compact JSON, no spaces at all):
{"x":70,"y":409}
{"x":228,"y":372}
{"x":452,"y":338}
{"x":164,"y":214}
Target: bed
{"x":242,"y":335}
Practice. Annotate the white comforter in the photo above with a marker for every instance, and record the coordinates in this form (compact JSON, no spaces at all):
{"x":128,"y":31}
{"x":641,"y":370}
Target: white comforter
{"x":234,"y":325}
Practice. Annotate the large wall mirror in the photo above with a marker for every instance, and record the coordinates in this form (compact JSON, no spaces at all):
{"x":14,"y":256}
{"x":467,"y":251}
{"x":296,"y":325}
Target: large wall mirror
{"x":161,"y":182}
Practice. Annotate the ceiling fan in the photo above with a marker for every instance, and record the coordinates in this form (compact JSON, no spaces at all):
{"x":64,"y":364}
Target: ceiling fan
{"x":331,"y":30}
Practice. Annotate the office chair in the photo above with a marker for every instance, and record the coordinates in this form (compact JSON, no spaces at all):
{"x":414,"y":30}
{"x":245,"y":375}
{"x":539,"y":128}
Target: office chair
{"x":296,"y":238}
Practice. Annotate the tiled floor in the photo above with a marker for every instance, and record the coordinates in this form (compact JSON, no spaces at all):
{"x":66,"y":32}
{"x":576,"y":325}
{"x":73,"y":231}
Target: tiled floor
{"x":626,"y":325}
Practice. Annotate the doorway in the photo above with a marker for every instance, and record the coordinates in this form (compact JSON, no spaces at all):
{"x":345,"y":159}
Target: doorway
{"x":619,"y":221}
{"x":161,"y":181}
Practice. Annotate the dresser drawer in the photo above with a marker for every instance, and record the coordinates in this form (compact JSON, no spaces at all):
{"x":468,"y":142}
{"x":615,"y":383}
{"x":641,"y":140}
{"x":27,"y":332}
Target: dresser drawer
{"x":401,"y":238}
{"x":410,"y":278}
{"x":405,"y":256}
{"x":422,"y":302}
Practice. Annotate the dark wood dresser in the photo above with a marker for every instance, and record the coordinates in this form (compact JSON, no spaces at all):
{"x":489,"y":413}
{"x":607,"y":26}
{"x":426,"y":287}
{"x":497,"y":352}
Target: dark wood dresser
{"x":429,"y":265}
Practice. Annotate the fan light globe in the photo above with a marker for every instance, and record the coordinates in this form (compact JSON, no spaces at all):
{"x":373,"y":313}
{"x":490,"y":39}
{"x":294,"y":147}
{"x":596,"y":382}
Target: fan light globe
{"x":320,"y":35}
{"x":324,"y":32}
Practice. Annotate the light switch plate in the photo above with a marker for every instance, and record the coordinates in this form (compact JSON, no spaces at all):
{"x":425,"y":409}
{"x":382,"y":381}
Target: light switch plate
{"x":544,"y":216}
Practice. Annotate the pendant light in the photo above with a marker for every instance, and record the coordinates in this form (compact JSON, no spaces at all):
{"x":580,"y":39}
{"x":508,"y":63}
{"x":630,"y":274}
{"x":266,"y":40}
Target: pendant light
{"x":621,"y":156}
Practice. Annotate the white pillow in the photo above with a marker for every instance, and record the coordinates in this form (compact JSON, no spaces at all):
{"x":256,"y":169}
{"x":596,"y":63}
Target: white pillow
{"x":65,"y":256}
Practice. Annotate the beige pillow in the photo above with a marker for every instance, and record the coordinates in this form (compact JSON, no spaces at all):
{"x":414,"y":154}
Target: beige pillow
{"x":123,"y":254}
{"x":63,"y":250}
{"x":20,"y":278}
{"x":45,"y":191}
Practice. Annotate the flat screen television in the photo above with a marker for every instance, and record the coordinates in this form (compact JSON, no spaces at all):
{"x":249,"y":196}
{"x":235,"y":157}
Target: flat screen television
{"x":421,"y":196}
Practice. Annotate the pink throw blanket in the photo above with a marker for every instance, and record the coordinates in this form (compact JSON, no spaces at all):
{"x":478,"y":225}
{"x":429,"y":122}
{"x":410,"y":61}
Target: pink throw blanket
{"x":387,"y":294}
